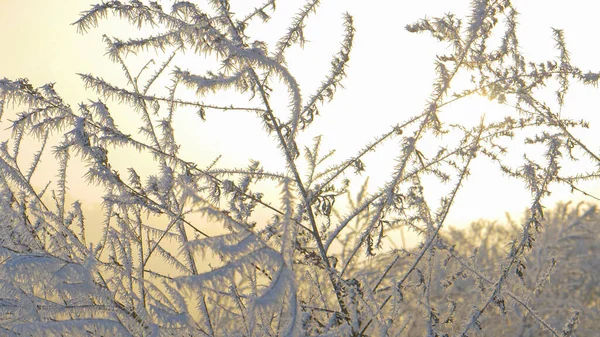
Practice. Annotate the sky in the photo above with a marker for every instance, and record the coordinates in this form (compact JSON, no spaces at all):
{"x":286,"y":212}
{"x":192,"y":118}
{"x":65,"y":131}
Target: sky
{"x":389,"y":80}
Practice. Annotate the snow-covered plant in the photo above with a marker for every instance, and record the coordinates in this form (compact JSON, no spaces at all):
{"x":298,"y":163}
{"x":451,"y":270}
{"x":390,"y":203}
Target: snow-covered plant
{"x":556,"y":285}
{"x":314,"y":266}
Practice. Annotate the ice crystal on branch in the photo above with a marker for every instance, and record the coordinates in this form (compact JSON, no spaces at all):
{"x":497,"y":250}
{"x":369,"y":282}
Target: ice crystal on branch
{"x":186,"y":249}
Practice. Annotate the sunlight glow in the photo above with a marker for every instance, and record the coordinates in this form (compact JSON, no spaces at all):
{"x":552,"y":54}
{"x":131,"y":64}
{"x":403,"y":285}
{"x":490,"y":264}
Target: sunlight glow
{"x":386,"y":83}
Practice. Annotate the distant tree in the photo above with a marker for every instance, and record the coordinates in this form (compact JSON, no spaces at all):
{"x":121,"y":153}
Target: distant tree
{"x":286,"y":276}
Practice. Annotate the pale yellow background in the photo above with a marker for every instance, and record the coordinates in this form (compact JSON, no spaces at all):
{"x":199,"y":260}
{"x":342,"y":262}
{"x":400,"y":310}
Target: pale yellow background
{"x":389,"y":80}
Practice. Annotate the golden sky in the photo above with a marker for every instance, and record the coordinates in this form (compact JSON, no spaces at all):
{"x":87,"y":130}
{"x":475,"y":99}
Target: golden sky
{"x":389,"y":80}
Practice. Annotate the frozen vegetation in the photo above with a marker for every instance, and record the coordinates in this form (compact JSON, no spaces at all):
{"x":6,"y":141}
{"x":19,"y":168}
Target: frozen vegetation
{"x":319,"y":263}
